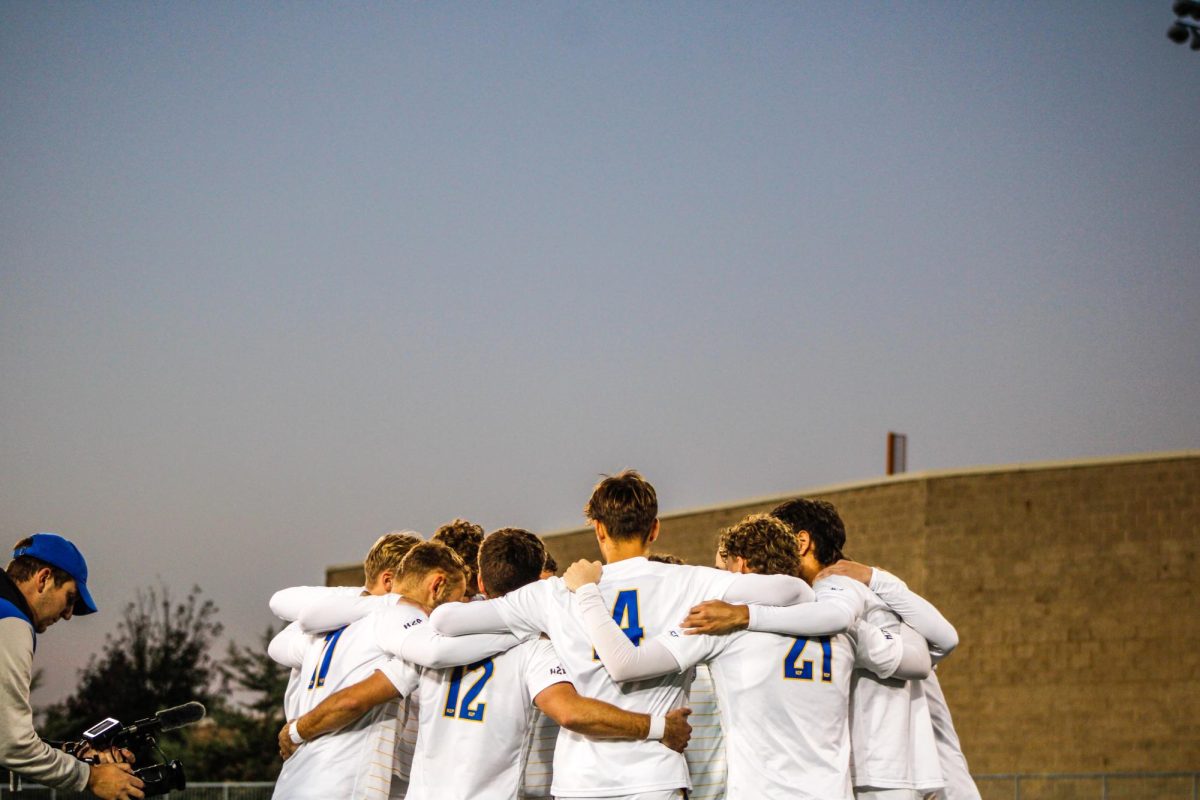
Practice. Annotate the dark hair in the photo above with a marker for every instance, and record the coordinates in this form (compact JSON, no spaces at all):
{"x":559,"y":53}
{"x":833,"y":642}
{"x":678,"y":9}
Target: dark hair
{"x":427,"y":557}
{"x":625,"y":504}
{"x":822,"y":522}
{"x":509,"y":559}
{"x":551,"y":565}
{"x":464,"y":538}
{"x":23,"y":568}
{"x":664,"y":558}
{"x":767,"y":544}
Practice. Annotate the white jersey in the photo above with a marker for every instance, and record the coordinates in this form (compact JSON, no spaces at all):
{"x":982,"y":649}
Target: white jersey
{"x":891,"y":732}
{"x":474,"y":723}
{"x":959,"y":784}
{"x":784,"y":704}
{"x":357,"y":761}
{"x":647,"y":598}
{"x":705,"y":752}
{"x":539,"y":772}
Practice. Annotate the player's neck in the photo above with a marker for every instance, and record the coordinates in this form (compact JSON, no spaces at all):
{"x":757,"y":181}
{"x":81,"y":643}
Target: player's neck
{"x":624,"y":550}
{"x":416,"y":602}
{"x":810,"y":567}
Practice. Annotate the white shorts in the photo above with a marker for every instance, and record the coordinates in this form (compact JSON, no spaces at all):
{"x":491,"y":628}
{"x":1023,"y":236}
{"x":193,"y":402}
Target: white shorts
{"x":669,"y":794}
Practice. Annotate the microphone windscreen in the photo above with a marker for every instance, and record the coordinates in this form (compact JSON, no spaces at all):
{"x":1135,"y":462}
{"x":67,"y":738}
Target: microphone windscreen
{"x":177,"y":717}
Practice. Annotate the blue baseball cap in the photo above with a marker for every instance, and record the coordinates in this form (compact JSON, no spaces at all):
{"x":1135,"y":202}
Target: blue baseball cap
{"x":59,"y":552}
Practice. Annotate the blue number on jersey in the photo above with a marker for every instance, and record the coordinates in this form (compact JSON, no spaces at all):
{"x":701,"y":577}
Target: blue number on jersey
{"x":331,"y":640}
{"x":805,"y":671}
{"x":474,"y":713}
{"x":625,"y":614}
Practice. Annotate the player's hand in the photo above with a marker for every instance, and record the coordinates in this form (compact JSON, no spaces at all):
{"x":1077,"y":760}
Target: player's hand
{"x":581,"y":573}
{"x":678,"y":731}
{"x":114,"y":782}
{"x":286,"y":745}
{"x":849,"y":569}
{"x":716,"y":617}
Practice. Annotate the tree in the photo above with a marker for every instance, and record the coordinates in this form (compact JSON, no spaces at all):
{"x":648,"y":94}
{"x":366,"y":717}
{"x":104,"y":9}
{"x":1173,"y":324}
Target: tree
{"x":158,"y":658}
{"x":241,"y":746}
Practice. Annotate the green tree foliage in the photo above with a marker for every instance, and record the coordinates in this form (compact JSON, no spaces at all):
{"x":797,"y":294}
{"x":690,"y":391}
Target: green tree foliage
{"x":241,"y":746}
{"x":158,"y":658}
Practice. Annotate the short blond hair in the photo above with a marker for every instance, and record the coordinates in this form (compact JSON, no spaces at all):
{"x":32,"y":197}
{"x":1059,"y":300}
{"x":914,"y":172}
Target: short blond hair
{"x":387,"y":553}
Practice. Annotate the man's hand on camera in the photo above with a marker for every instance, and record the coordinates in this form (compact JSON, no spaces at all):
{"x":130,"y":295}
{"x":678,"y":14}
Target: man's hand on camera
{"x":113,"y":755}
{"x":114,"y":782}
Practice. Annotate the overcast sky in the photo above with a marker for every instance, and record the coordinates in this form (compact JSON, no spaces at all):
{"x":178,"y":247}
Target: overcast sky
{"x":278,"y":278}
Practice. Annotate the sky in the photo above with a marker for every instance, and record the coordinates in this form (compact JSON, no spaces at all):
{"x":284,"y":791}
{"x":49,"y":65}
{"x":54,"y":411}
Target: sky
{"x":277,"y":278}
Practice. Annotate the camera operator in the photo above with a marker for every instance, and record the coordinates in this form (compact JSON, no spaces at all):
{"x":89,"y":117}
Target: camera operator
{"x":45,"y":582}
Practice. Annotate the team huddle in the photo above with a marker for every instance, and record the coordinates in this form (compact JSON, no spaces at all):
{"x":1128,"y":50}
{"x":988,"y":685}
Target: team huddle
{"x":786,"y":672}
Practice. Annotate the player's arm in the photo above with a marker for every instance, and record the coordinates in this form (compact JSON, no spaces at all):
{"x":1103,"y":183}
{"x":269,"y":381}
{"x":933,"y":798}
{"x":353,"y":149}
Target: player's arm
{"x":424,"y":646}
{"x":915,"y":610}
{"x":600,"y":720}
{"x":768,"y":590}
{"x":338,"y":710}
{"x":892,"y":652}
{"x":338,"y":610}
{"x":520,"y":612}
{"x":805,"y":619}
{"x":288,"y":646}
{"x":289,"y":604}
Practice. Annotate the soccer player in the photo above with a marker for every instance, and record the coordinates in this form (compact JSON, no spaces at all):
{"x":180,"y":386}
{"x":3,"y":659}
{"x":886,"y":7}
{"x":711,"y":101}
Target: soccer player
{"x":646,"y":598}
{"x":784,"y":701}
{"x":895,"y":755}
{"x":379,"y":567}
{"x":358,"y":762}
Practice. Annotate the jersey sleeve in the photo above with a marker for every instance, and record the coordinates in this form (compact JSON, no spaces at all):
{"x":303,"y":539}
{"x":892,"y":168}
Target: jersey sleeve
{"x":688,"y":651}
{"x":404,"y":676}
{"x":875,"y":649}
{"x":289,"y":604}
{"x":524,"y":610}
{"x":543,"y":668}
{"x":288,"y":646}
{"x":392,"y":624}
{"x":336,"y":611}
{"x":477,"y":616}
{"x":839,"y":605}
{"x":918,"y":612}
{"x":769,"y":590}
{"x":424,"y":646}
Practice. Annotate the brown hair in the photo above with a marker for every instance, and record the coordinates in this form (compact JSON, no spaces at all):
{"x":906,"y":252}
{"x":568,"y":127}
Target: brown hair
{"x":508,"y":559}
{"x":767,"y":544}
{"x":625,"y":504}
{"x":428,"y":557}
{"x":664,"y":558}
{"x":23,"y":568}
{"x":387,"y":553}
{"x":464,"y":538}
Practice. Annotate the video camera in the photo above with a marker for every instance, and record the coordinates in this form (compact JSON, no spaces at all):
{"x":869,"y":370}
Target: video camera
{"x":159,"y":775}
